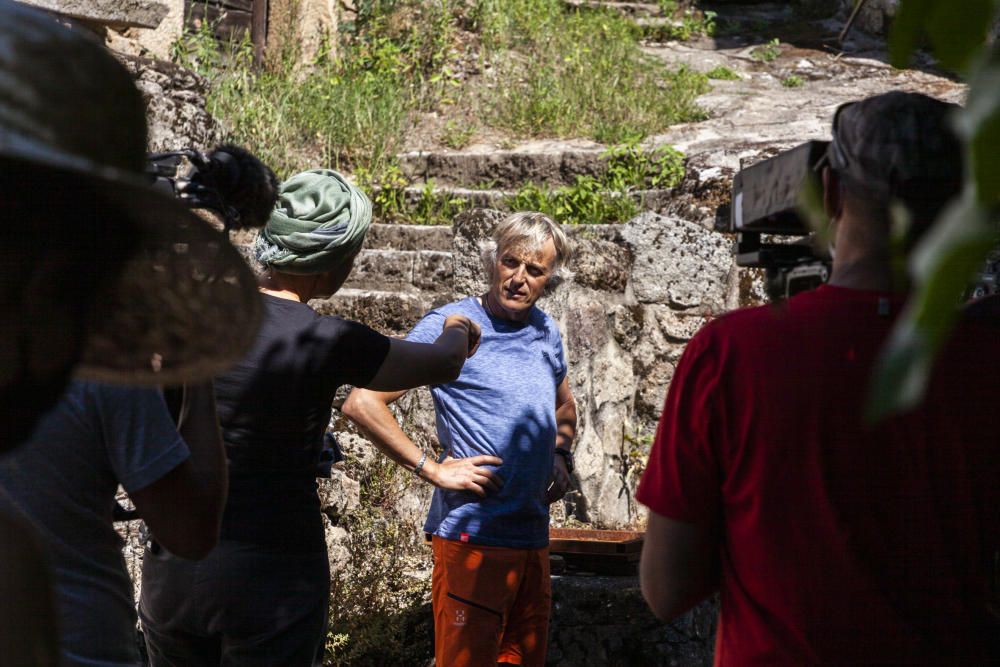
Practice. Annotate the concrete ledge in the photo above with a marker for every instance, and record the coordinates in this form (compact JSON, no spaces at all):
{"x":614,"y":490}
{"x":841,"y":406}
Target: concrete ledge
{"x":111,"y":13}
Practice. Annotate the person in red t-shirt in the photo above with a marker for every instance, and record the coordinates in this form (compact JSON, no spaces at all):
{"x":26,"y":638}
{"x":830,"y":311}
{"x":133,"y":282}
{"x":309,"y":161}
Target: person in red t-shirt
{"x":832,"y":540}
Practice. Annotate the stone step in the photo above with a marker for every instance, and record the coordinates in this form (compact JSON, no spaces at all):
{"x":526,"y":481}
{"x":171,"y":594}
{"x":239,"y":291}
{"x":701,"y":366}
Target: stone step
{"x":408,"y":237}
{"x":499,"y":199}
{"x":630,"y":9}
{"x":402,"y":271}
{"x":550,"y":162}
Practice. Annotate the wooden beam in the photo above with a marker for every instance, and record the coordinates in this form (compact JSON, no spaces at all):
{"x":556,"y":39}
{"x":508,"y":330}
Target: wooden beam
{"x":258,"y":31}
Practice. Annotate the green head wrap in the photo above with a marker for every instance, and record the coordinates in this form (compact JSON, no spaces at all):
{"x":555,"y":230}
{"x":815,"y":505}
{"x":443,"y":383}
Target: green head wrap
{"x":319,"y":221}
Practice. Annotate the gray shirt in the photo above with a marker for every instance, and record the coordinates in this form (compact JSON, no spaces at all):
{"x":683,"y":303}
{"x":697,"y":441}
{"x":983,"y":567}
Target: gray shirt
{"x":64,"y":479}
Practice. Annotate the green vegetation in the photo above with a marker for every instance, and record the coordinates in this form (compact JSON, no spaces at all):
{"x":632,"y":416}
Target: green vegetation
{"x":683,"y":26}
{"x":607,"y":198}
{"x":767,"y":52}
{"x":596,"y":82}
{"x":351,"y":108}
{"x":792,"y":81}
{"x":722,"y":73}
{"x":455,"y":135}
{"x":378,"y":614}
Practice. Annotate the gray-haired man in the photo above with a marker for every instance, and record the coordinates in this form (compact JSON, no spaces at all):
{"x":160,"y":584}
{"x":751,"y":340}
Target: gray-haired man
{"x":506,"y":425}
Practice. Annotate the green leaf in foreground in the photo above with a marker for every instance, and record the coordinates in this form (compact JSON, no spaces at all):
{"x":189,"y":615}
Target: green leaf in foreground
{"x":957,"y":31}
{"x":979,"y":125}
{"x":945,"y":263}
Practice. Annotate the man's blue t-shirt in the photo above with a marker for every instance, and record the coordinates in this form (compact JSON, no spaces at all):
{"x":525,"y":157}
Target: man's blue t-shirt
{"x":503,"y":404}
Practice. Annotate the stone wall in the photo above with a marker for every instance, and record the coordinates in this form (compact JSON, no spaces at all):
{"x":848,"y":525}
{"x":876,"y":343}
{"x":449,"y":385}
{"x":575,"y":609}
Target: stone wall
{"x":638,"y":293}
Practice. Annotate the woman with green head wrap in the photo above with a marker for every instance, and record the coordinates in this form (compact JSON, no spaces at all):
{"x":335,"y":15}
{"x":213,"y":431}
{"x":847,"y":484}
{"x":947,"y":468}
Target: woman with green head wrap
{"x":261,"y":597}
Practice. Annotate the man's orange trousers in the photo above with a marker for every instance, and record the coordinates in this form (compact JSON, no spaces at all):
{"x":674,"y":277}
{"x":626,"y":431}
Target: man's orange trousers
{"x":491,"y":604}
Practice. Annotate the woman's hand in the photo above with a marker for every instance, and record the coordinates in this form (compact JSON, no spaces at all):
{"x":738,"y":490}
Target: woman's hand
{"x":472,"y":329}
{"x":466,"y":474}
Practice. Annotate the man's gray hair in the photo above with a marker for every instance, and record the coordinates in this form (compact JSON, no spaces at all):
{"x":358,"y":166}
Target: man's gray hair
{"x":530,"y":230}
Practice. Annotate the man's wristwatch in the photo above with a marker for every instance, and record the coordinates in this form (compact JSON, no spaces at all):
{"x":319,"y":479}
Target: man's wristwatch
{"x":567,"y":457}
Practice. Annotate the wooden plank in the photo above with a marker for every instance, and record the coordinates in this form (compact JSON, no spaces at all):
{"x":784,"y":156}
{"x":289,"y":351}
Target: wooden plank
{"x":258,"y":30}
{"x":242,"y":5}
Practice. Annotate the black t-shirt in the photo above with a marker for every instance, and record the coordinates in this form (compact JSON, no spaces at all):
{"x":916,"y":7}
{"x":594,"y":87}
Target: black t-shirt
{"x":274,"y":407}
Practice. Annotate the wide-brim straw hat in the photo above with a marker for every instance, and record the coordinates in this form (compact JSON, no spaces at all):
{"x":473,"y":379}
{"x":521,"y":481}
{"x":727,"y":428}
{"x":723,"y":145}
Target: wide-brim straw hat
{"x":185,"y":307}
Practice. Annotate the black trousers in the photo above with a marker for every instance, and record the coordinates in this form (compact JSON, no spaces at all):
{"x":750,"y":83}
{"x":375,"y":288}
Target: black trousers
{"x":243,"y":605}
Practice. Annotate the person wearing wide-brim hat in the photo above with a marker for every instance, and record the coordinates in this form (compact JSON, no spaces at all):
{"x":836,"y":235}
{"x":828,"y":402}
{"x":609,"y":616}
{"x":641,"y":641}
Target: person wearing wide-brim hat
{"x":262,"y":596}
{"x":99,"y":269}
{"x":97,"y":272}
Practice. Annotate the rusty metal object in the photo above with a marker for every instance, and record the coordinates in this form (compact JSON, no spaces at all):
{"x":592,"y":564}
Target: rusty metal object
{"x":614,"y":552}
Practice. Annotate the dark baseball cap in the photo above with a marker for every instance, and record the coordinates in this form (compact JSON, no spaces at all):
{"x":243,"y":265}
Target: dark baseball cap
{"x":898,"y":145}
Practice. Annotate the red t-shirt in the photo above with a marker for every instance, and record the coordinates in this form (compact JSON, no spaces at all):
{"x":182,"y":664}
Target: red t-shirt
{"x":842,"y":542}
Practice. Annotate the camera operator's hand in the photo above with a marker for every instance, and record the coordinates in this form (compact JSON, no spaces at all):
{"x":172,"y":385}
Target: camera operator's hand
{"x":560,"y":483}
{"x":465,"y":474}
{"x":473,"y":330}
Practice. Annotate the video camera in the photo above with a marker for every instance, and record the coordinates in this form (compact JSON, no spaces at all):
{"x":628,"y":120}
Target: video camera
{"x":229,"y":180}
{"x":766,"y":202}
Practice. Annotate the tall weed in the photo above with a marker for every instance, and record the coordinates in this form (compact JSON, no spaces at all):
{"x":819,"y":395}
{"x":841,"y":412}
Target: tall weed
{"x":579,"y":73}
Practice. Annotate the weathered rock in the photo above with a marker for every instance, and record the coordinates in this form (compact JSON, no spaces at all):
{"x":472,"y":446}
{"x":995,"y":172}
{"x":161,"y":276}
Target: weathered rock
{"x":601,"y":265}
{"x":382,"y":270}
{"x":678,"y":263}
{"x":388,"y":312}
{"x":337,"y":549}
{"x":471,"y":230}
{"x":434,"y":271}
{"x":175,"y":105}
{"x":339,"y":496}
{"x":555,"y":162}
{"x":408,"y":237}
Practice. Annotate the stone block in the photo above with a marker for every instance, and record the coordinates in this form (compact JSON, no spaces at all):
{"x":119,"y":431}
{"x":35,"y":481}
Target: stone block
{"x":600,"y":264}
{"x":339,"y":496}
{"x":337,"y":547}
{"x":678,"y":263}
{"x":382,"y":270}
{"x":111,"y":13}
{"x":408,"y":237}
{"x":472,"y":230}
{"x":434,"y":271}
{"x":175,"y":105}
{"x":391,"y":313}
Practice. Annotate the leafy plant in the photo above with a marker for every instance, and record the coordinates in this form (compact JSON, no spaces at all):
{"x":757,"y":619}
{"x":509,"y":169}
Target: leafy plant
{"x":768,"y":52}
{"x":610,"y":198}
{"x":943,"y":264}
{"x":378,"y":614}
{"x":722,"y":73}
{"x":792,"y":81}
{"x":587,"y":201}
{"x":629,"y":167}
{"x":688,"y":25}
{"x":457,"y":135}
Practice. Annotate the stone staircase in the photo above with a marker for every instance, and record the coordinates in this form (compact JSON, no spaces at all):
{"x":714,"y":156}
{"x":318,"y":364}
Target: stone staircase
{"x":641,"y":289}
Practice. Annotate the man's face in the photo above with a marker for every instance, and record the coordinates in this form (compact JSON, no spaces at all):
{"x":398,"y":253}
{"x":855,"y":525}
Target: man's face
{"x":519,"y":278}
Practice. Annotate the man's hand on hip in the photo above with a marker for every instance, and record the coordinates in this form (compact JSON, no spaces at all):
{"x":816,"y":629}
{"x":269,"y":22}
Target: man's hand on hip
{"x":466,"y":474}
{"x":560,"y":481}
